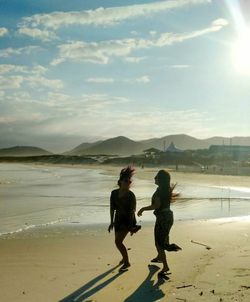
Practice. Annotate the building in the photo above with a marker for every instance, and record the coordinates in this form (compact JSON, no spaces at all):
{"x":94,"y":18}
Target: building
{"x":151,"y":152}
{"x":173,"y":149}
{"x":236,"y":151}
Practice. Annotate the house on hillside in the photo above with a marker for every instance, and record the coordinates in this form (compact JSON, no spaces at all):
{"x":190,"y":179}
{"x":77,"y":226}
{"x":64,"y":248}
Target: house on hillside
{"x":171,"y":148}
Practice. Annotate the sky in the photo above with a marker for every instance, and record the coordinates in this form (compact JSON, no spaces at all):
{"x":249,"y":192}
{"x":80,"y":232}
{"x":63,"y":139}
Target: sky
{"x":83,"y":70}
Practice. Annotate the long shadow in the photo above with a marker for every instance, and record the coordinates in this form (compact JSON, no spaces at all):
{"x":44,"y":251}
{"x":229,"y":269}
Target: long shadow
{"x":148,"y":291}
{"x":85,"y":291}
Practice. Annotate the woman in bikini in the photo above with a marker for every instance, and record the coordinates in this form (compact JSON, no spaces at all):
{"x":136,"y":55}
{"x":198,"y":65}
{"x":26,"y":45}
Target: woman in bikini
{"x":161,"y":200}
{"x":122,"y":213}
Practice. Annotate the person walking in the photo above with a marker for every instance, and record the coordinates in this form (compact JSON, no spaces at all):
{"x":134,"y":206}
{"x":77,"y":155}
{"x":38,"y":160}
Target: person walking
{"x":122,"y":213}
{"x":161,"y":201}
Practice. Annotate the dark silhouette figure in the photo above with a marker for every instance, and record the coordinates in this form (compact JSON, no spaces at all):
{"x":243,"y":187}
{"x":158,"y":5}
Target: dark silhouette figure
{"x":122,"y":213}
{"x":88,"y":290}
{"x":161,"y":201}
{"x":148,"y":291}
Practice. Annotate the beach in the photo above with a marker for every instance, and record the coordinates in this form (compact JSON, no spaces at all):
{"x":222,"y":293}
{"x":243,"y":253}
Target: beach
{"x":81,"y":264}
{"x":63,"y":256}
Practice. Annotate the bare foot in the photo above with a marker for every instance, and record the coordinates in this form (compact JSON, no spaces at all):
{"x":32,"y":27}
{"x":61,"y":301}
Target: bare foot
{"x":163,"y":275}
{"x":173,"y":248}
{"x":156,"y":260}
{"x":124,"y":267}
{"x":165,"y":270}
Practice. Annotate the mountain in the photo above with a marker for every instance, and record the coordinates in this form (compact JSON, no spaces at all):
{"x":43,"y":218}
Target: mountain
{"x":79,"y":149}
{"x":235,"y":140}
{"x":23,"y":151}
{"x":181,"y":141}
{"x":124,"y":146}
{"x":184,"y":142}
{"x":114,"y":146}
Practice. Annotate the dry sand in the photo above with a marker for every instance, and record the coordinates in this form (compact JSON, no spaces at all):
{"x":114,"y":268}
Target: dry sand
{"x":80,"y":264}
{"x":76,"y":263}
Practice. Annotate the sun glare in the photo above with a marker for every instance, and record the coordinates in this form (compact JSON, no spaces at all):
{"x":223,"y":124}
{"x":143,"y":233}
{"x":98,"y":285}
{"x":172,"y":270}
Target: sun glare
{"x":241,"y":53}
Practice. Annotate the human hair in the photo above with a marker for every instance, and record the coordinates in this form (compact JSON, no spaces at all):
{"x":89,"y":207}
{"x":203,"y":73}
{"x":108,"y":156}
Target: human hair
{"x":126,"y":174}
{"x":165,"y":187}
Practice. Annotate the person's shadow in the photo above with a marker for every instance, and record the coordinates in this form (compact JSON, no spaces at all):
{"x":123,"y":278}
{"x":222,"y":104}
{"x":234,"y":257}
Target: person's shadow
{"x":148,"y":291}
{"x":85,"y":291}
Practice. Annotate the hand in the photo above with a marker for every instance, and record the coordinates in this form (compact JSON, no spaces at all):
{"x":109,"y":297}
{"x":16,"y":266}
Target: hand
{"x":110,"y":228}
{"x":139,"y":213}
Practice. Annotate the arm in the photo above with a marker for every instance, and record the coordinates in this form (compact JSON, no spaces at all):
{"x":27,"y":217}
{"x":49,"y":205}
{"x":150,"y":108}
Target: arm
{"x":132,"y":209}
{"x":174,"y":197}
{"x":155,"y":205}
{"x":112,"y":212}
{"x":174,"y":194}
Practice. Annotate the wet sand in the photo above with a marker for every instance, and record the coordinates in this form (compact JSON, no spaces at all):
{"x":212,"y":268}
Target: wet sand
{"x":72,"y":263}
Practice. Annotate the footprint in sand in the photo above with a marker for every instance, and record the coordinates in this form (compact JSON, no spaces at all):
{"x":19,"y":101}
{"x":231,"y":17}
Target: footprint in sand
{"x":242,"y":272}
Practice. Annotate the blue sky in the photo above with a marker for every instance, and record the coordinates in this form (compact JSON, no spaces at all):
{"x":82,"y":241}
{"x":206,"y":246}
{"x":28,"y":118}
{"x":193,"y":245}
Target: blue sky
{"x":76,"y":71}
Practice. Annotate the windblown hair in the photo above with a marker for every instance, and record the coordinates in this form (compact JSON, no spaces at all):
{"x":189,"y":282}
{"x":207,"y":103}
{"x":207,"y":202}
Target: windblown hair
{"x":165,"y":187}
{"x":126,"y":174}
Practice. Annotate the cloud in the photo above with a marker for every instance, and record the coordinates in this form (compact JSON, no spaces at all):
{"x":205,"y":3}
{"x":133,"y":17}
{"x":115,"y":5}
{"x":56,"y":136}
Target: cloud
{"x":39,"y":69}
{"x":100,"y":80}
{"x":134,"y":59}
{"x":3,"y":31}
{"x":105,"y":16}
{"x":21,"y":119}
{"x":96,"y":114}
{"x":134,"y":32}
{"x":7,"y":52}
{"x":10,"y":68}
{"x":36,"y":33}
{"x":142,"y":79}
{"x":220,"y":23}
{"x":11,"y":82}
{"x":102,"y":52}
{"x":152,"y":32}
{"x":40,"y":82}
{"x":35,"y":81}
{"x":6,"y":68}
{"x":179,"y":66}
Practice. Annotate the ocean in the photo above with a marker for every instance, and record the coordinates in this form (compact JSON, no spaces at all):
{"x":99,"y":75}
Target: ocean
{"x":40,"y":195}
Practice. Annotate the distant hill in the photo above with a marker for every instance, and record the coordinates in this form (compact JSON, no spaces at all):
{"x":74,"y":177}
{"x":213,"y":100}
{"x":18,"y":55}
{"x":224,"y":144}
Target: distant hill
{"x":124,"y":146}
{"x":181,"y":141}
{"x":23,"y":151}
{"x":114,"y":146}
{"x":79,"y":149}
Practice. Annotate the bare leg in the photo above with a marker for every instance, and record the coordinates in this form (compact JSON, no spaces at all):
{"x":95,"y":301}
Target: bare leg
{"x":162,"y":257}
{"x":119,"y":237}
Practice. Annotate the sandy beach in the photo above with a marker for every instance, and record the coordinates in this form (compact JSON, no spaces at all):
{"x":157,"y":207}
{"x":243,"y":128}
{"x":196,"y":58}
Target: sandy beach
{"x":80,"y":264}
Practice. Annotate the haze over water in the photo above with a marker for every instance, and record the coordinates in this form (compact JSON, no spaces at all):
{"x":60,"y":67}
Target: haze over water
{"x":33,"y":195}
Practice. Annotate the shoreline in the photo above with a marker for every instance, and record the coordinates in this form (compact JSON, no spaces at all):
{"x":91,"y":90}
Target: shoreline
{"x":148,"y":173}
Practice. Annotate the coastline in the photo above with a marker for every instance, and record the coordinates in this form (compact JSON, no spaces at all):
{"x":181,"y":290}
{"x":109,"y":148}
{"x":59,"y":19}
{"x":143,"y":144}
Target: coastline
{"x":76,"y":263}
{"x":148,"y":173}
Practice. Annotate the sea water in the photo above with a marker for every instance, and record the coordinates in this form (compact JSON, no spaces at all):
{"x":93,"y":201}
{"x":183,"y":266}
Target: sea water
{"x":38,"y":195}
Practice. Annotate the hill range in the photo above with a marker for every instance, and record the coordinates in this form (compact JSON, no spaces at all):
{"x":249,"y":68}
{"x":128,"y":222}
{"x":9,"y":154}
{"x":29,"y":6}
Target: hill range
{"x":123,"y":146}
{"x":24,"y":151}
